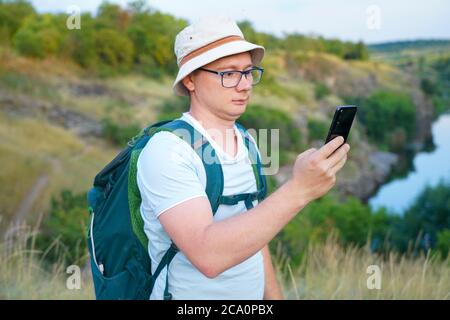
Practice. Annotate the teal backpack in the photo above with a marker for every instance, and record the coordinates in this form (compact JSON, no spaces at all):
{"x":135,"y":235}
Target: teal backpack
{"x":118,"y":246}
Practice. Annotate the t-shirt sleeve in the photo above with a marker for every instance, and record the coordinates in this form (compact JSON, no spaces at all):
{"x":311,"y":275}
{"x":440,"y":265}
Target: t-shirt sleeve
{"x":167,"y":174}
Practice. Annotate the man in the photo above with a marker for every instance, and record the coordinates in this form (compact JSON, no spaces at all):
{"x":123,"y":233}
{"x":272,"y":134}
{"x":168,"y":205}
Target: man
{"x":224,"y":256}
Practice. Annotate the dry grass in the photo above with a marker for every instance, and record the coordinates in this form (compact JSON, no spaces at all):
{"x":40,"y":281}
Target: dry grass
{"x":25,"y":275}
{"x":332,"y":272}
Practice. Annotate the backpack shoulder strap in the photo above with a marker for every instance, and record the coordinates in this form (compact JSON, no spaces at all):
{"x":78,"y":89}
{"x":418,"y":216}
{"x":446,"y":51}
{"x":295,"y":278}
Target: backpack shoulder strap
{"x":261,"y":184}
{"x":210,"y":160}
{"x":255,"y":160}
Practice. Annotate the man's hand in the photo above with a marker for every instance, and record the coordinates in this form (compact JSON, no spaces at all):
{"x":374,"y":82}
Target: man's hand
{"x":314,"y":172}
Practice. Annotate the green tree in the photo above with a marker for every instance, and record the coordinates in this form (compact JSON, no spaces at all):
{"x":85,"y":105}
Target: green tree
{"x":40,"y":36}
{"x":112,"y":16}
{"x":152,"y":34}
{"x":113,"y":49}
{"x":386,"y":116}
{"x":427,"y":217}
{"x":12,"y":15}
{"x":80,"y":46}
{"x":266,"y":40}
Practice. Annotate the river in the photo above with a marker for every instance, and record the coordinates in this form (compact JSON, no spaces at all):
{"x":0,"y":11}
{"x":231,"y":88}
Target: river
{"x":429,"y":168}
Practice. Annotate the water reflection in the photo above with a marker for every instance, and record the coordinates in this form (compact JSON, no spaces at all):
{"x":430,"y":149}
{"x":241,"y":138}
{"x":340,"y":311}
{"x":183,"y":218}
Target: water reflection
{"x":428,"y":169}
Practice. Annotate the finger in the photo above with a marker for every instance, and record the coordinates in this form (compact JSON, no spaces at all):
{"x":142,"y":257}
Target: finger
{"x":309,"y":151}
{"x":337,"y":156}
{"x":306,"y":153}
{"x":338,"y":166}
{"x":330,"y":147}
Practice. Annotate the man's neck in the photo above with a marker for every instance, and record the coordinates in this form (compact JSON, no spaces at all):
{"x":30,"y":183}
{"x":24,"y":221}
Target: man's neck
{"x":221,"y":130}
{"x":210,"y":121}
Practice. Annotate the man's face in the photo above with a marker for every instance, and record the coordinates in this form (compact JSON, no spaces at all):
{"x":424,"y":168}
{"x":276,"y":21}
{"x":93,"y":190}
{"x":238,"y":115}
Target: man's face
{"x":227,"y":103}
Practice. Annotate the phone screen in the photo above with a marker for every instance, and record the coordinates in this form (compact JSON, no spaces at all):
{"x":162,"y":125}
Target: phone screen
{"x":342,"y":122}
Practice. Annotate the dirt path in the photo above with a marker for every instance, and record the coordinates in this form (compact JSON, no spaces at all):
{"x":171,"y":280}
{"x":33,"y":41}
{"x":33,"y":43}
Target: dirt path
{"x":31,"y":196}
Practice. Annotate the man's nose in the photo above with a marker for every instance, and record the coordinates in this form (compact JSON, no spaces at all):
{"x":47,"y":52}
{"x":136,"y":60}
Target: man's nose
{"x":244,"y":84}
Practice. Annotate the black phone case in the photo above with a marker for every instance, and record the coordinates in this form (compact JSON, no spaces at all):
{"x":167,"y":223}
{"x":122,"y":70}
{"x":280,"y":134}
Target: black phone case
{"x":342,"y":122}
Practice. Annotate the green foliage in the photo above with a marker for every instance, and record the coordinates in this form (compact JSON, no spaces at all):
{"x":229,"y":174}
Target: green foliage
{"x":12,"y":15}
{"x":119,"y":135}
{"x":112,"y":16}
{"x":317,"y":129}
{"x":345,"y":50}
{"x":152,"y":35}
{"x":428,"y":86}
{"x":443,"y":242}
{"x":39,"y":36}
{"x":119,"y":39}
{"x":397,"y":46}
{"x":321,"y":90}
{"x":264,"y":39}
{"x":425,"y":225}
{"x":389,"y":118}
{"x":356,"y":51}
{"x":173,"y":108}
{"x":64,"y":229}
{"x":429,"y":215}
{"x":115,"y":40}
{"x":440,"y":83}
{"x":113,"y":49}
{"x":258,"y":117}
{"x":80,"y":44}
{"x":351,"y":221}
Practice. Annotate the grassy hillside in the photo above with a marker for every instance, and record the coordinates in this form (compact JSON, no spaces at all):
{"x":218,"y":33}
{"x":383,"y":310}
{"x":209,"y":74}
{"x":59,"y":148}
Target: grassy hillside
{"x":402,"y":50}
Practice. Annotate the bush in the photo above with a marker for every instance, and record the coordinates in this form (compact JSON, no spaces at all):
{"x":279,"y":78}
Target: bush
{"x":443,"y":242}
{"x":113,"y":49}
{"x":428,"y":86}
{"x":64,"y":230}
{"x":427,"y":217}
{"x":12,"y":15}
{"x":152,"y":34}
{"x":80,"y":44}
{"x":258,"y":117}
{"x":317,"y":129}
{"x":119,"y":135}
{"x":173,"y":108}
{"x":387,"y":116}
{"x":351,"y":221}
{"x":40,"y":36}
{"x":321,"y":90}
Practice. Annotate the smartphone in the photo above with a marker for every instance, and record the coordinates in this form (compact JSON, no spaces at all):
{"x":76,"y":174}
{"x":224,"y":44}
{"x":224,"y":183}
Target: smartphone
{"x":342,"y":122}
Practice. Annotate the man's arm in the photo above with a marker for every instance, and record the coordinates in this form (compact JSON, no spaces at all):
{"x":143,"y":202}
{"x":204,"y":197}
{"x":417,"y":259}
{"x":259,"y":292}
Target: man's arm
{"x":272,"y":290}
{"x":213,"y":247}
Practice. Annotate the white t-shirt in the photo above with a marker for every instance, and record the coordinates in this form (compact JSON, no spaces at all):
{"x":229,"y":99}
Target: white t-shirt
{"x":169,"y":172}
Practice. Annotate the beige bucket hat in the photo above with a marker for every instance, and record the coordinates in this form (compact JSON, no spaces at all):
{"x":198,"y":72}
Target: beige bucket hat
{"x":207,"y":40}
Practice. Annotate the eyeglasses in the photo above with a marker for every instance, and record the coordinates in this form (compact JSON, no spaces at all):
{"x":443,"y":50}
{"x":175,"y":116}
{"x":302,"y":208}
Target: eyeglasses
{"x":231,"y":79}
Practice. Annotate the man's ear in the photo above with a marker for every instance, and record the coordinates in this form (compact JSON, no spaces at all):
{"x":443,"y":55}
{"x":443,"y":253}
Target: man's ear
{"x":188,"y":82}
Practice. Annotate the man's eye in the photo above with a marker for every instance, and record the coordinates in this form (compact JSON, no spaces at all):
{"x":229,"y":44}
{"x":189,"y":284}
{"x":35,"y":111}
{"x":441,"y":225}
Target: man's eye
{"x":229,"y":74}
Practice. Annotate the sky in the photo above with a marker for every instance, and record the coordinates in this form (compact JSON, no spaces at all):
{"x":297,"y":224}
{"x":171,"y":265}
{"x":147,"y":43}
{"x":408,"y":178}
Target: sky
{"x":370,"y":21}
